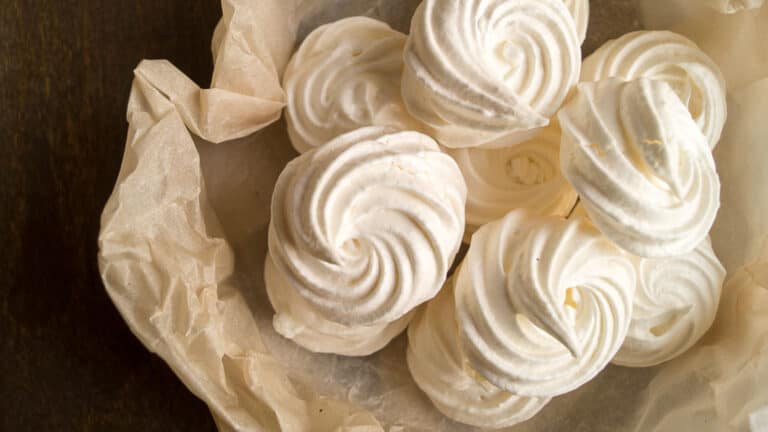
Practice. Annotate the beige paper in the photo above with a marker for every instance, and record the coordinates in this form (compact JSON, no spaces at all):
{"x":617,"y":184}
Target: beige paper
{"x":183,"y":241}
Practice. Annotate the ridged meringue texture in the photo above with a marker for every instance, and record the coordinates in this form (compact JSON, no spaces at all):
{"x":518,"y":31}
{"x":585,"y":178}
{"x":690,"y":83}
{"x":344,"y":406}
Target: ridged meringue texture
{"x":675,"y":304}
{"x":297,"y":320}
{"x":365,"y":227}
{"x":526,"y":175}
{"x":439,"y":369}
{"x":640,"y":164}
{"x":580,"y":11}
{"x":344,"y":76}
{"x":668,"y":57}
{"x":477,"y":71}
{"x":543,"y":304}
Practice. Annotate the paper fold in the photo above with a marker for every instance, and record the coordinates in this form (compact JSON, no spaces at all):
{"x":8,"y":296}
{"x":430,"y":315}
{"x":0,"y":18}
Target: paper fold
{"x":169,"y":271}
{"x":183,"y":241}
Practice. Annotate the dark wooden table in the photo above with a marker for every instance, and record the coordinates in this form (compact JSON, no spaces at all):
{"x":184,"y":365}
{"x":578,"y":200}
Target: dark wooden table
{"x":67,"y":360}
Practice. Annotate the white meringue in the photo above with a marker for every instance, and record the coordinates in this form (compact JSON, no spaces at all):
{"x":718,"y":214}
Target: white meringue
{"x":526,"y":175}
{"x":439,"y":369}
{"x":641,"y":166}
{"x":365,"y":227}
{"x":345,"y":75}
{"x":543,"y":304}
{"x":668,"y":57}
{"x":297,"y":320}
{"x":477,"y":71}
{"x":675,"y":304}
{"x":580,"y":11}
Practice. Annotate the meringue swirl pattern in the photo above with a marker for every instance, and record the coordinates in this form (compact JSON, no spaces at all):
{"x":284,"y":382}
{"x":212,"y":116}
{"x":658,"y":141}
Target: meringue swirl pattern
{"x":675,"y":304}
{"x":365,"y":227}
{"x":479,"y":70}
{"x":543,"y":304}
{"x":526,"y":175}
{"x":668,"y":57}
{"x":438,"y":367}
{"x":297,"y":320}
{"x":640,"y":164}
{"x":580,"y":11}
{"x":344,"y":76}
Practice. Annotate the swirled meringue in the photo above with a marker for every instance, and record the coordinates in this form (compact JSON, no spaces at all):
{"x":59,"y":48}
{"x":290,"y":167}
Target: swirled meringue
{"x":526,"y":175}
{"x":580,"y":11}
{"x":641,"y":166}
{"x":345,"y":75}
{"x":668,"y":57}
{"x":439,"y":369}
{"x":365,"y":227}
{"x":297,"y":320}
{"x":543,"y":304}
{"x":477,"y":71}
{"x":675,"y":303}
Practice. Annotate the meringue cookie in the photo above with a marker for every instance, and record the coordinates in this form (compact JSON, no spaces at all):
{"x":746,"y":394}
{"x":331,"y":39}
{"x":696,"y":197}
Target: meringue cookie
{"x":345,"y":75}
{"x":580,"y":11}
{"x":365,"y":227}
{"x":543,"y":304}
{"x":675,"y":303}
{"x":641,"y":166}
{"x":438,"y":368}
{"x":297,"y":320}
{"x":526,"y":175}
{"x":668,"y":57}
{"x":477,"y":71}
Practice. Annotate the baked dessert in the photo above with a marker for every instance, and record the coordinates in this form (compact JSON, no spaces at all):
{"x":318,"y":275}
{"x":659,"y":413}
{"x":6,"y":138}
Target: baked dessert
{"x":526,"y":175}
{"x":580,"y":11}
{"x":542,"y":304}
{"x":675,"y":304}
{"x":671,"y":58}
{"x":363,"y":229}
{"x":480,"y":71}
{"x":344,"y":76}
{"x":440,"y":370}
{"x":640,"y":164}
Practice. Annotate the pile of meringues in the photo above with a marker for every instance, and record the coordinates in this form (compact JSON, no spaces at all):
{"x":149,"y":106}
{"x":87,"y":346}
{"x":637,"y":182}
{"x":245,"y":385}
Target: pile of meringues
{"x":586,"y":192}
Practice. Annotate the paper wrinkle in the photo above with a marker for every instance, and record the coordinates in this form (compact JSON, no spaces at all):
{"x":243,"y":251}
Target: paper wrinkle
{"x":183,"y":242}
{"x":169,"y":271}
{"x":251,"y":45}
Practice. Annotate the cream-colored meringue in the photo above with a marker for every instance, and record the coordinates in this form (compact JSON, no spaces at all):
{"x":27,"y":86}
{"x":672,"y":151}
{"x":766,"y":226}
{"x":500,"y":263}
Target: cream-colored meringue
{"x":733,"y":6}
{"x":675,"y":304}
{"x":580,"y":11}
{"x":543,"y":304}
{"x":345,"y":75}
{"x":439,"y":369}
{"x":477,"y":71}
{"x":526,"y":175}
{"x":365,"y":227}
{"x":297,"y":320}
{"x":640,"y":164}
{"x":668,"y":57}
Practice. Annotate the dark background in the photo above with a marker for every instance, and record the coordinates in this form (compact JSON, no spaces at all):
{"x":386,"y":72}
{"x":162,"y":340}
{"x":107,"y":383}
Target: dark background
{"x":67,"y":360}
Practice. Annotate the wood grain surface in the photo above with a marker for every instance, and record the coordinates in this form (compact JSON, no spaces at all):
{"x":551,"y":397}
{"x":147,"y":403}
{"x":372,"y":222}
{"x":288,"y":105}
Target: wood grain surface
{"x":67,"y":360}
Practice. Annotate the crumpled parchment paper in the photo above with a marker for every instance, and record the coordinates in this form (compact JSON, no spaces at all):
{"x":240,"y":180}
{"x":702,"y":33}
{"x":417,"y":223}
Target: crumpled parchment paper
{"x":183,"y":241}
